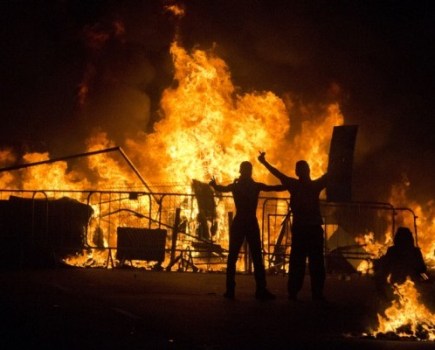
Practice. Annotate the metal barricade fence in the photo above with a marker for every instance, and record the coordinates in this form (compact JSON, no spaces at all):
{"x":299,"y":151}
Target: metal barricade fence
{"x":82,"y":228}
{"x":355,"y":233}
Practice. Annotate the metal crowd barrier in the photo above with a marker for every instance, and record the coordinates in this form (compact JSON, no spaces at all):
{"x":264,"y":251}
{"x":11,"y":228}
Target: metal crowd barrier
{"x":166,"y":231}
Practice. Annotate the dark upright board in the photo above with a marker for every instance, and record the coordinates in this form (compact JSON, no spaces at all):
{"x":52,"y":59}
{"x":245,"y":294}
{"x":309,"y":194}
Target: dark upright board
{"x":340,"y":164}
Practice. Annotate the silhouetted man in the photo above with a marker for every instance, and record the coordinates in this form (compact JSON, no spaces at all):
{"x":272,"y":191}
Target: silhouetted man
{"x":245,"y":226}
{"x":307,"y":230}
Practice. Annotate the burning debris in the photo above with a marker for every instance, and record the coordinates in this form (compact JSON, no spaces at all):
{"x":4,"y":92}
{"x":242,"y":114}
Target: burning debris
{"x":406,"y":317}
{"x":396,"y":275}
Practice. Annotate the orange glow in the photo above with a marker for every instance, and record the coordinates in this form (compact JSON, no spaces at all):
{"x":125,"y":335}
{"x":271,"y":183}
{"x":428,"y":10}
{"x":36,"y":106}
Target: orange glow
{"x":6,"y":178}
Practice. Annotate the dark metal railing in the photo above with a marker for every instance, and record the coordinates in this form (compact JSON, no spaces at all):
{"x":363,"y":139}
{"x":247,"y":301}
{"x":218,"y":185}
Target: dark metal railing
{"x":38,"y":224}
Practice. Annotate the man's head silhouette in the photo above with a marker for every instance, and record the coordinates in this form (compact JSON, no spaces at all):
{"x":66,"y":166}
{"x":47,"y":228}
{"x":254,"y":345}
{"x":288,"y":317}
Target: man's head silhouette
{"x":302,"y":169}
{"x":245,"y":169}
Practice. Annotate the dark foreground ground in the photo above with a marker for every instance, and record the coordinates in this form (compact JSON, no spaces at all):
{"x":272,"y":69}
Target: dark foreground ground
{"x":69,"y":308}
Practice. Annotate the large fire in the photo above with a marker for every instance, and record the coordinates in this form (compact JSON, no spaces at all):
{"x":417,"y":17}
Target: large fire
{"x":207,"y":126}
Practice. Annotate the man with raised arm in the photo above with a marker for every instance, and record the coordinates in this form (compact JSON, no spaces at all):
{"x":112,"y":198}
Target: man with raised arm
{"x":307,"y":231}
{"x":245,"y":226}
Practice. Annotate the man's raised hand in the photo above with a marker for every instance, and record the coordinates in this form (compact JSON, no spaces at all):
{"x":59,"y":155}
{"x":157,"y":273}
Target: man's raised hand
{"x":262,"y":156}
{"x":212,"y":181}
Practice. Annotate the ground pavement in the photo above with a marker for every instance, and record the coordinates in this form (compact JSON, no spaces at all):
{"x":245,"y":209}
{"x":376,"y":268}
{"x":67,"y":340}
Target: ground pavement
{"x":97,"y":308}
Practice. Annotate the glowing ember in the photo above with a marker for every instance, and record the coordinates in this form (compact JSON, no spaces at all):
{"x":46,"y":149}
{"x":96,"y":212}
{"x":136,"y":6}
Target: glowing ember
{"x":407,"y":316}
{"x":176,"y":10}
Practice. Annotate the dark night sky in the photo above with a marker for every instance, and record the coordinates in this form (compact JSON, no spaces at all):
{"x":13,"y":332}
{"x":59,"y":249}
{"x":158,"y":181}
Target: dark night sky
{"x":380,"y":53}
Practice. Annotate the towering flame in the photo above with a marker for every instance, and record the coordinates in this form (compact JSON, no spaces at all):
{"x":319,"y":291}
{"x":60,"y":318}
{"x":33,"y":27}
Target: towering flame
{"x":208,"y":127}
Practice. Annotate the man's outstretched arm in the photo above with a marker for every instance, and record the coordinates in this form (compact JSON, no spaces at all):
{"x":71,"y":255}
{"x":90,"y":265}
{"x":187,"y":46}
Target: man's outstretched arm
{"x":219,"y":188}
{"x":274,"y":171}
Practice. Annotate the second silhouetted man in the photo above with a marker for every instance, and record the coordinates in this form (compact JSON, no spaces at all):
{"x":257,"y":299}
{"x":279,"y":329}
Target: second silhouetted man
{"x":307,"y":231}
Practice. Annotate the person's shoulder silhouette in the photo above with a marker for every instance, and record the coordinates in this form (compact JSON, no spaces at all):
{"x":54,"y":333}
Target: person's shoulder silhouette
{"x":403,"y":259}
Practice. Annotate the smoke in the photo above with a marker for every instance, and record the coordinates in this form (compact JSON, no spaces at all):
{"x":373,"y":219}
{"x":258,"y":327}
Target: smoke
{"x":72,"y":68}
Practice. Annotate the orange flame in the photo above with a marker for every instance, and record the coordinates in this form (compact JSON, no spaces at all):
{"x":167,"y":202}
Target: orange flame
{"x":407,"y":317}
{"x":208,"y":128}
{"x":6,"y":178}
{"x":371,"y":246}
